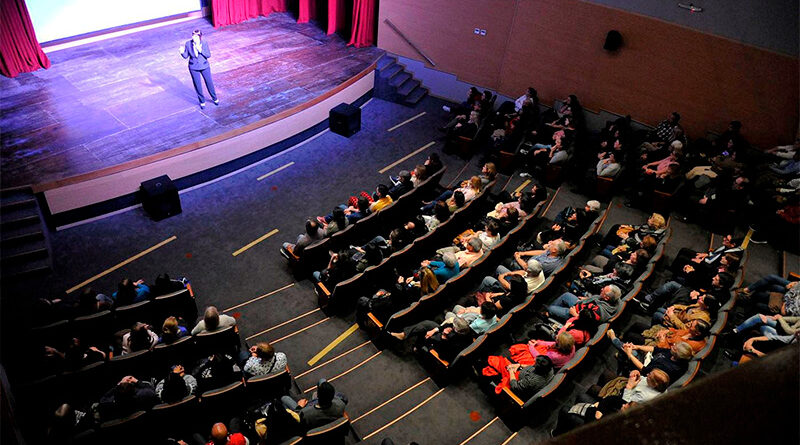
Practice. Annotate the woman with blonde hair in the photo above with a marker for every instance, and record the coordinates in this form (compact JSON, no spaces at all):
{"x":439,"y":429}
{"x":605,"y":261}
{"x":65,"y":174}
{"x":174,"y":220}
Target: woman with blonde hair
{"x":559,"y":351}
{"x":172,"y":330}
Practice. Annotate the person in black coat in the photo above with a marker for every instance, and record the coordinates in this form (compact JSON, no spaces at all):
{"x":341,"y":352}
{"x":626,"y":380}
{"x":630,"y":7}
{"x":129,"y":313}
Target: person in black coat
{"x":198,"y":52}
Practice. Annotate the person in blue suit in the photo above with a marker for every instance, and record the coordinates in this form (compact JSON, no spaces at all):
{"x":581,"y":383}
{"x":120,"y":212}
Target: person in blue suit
{"x":198,"y":52}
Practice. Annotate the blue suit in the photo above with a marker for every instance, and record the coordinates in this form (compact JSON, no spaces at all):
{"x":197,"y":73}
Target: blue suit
{"x":198,"y":66}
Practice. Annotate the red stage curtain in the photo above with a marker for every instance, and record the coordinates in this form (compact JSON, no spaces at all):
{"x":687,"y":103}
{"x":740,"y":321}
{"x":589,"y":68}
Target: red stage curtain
{"x":19,"y":50}
{"x":231,"y":12}
{"x":308,"y":11}
{"x":336,"y":19}
{"x":363,"y":33}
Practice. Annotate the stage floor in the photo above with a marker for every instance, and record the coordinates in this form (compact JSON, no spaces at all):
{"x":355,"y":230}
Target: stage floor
{"x":114,"y":101}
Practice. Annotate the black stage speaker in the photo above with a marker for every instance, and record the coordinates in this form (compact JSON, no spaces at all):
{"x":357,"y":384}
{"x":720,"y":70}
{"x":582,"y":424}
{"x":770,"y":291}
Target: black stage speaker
{"x":160,"y":198}
{"x":345,"y":119}
{"x":613,"y":41}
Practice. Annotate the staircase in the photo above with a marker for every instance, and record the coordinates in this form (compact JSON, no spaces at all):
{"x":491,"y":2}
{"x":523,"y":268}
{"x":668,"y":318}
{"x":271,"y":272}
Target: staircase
{"x":24,"y":250}
{"x":395,"y":84}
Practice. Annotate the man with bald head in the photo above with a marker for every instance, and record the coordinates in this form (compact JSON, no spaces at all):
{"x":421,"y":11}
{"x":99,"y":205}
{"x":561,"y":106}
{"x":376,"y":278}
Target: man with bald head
{"x":220,"y":435}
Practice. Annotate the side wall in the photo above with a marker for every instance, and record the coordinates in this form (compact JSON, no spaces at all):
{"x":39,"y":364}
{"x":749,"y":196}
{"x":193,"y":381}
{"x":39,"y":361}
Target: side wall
{"x":556,"y":46}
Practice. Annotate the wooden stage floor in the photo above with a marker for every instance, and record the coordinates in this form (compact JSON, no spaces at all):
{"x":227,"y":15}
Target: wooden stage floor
{"x":114,"y":101}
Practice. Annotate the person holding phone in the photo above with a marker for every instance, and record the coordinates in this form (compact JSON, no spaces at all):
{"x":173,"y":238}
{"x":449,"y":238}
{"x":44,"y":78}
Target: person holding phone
{"x":198,"y":52}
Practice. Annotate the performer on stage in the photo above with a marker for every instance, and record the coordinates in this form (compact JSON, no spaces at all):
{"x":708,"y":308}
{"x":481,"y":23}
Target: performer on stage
{"x":198,"y":52}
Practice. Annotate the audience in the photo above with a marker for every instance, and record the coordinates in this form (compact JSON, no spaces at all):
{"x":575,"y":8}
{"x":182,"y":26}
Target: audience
{"x":212,"y":321}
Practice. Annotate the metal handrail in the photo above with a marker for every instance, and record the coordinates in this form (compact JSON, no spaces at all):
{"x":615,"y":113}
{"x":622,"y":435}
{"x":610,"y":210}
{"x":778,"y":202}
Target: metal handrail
{"x":403,"y":36}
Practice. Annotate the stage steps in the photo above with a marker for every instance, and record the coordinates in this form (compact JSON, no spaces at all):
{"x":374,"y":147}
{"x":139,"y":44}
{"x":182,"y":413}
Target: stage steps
{"x":24,"y":250}
{"x":395,"y":84}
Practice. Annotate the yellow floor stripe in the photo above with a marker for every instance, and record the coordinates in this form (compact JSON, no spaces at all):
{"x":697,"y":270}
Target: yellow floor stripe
{"x":283,"y":324}
{"x":479,"y":431}
{"x":403,"y":416}
{"x":348,"y":371}
{"x":301,"y":330}
{"x":258,"y":298}
{"x":333,"y":344}
{"x":746,"y":241}
{"x":389,"y":401}
{"x":332,"y":360}
{"x":522,"y":186}
{"x":407,"y":121}
{"x":415,"y":152}
{"x":129,"y":260}
{"x":275,"y":171}
{"x":509,"y":439}
{"x":253,"y":243}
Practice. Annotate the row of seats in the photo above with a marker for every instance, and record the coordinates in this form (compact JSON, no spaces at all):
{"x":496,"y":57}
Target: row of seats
{"x":315,"y":256}
{"x":99,"y":327}
{"x":343,"y":296}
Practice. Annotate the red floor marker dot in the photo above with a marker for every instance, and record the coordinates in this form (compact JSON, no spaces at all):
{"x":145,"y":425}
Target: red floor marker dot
{"x":236,"y":314}
{"x":188,"y":255}
{"x":274,"y":187}
{"x":475,"y":416}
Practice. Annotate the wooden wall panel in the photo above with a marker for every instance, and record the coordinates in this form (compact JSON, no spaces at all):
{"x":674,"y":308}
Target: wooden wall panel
{"x":556,"y":46}
{"x":443,"y":29}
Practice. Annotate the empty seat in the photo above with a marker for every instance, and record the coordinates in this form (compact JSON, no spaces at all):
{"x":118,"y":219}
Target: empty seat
{"x":217,"y":402}
{"x":179,"y":304}
{"x":269,"y":386}
{"x":179,"y":352}
{"x":126,"y":316}
{"x":221,"y":340}
{"x":332,"y":433}
{"x":127,"y":430}
{"x":173,"y":418}
{"x":135,"y":363}
{"x":94,"y":329}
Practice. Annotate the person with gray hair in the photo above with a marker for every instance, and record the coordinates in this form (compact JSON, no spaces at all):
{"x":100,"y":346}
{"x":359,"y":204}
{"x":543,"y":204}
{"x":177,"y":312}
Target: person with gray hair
{"x":569,"y":305}
{"x":445,"y":269}
{"x":532,"y":274}
{"x":551,"y":257}
{"x":213,"y":320}
{"x":674,"y":361}
{"x":473,"y":249}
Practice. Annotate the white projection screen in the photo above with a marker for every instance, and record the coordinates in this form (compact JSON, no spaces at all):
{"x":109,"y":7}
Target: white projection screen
{"x":57,"y":19}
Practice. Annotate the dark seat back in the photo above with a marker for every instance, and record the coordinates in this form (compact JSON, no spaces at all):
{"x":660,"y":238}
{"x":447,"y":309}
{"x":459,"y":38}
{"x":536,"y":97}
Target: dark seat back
{"x":332,"y":433}
{"x":222,"y":340}
{"x":126,"y":316}
{"x":269,"y":386}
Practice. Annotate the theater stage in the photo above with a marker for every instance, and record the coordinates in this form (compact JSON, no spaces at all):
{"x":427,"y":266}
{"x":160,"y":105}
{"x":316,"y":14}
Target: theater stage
{"x":112,"y":106}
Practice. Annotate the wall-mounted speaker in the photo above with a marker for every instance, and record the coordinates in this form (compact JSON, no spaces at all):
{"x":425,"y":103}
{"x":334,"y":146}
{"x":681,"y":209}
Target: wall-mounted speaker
{"x":613,"y":41}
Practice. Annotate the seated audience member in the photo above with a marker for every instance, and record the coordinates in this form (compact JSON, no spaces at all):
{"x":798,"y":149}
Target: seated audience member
{"x":172,"y":330}
{"x":559,"y":351}
{"x":488,"y":173}
{"x":527,"y":380}
{"x":760,"y":346}
{"x":767,"y":291}
{"x":445,"y":269}
{"x":359,"y":212}
{"x":66,"y":423}
{"x":523,"y":204}
{"x":129,"y":292}
{"x":216,"y":371}
{"x":340,"y":267}
{"x":674,"y":361}
{"x":433,"y":164}
{"x":177,"y":385}
{"x":448,"y":339}
{"x":126,"y":397}
{"x":325,"y":406}
{"x":570,"y":223}
{"x":637,"y":258}
{"x":213,"y":320}
{"x":381,"y":198}
{"x":480,"y":319}
{"x":550,"y":258}
{"x":695,"y":334}
{"x":613,"y":254}
{"x":139,"y":338}
{"x":542,"y":154}
{"x":313,"y":233}
{"x":621,"y":276}
{"x":775,"y":328}
{"x":569,"y":305}
{"x":587,"y":409}
{"x":403,"y":185}
{"x":264,"y":360}
{"x":608,"y":167}
{"x":473,"y":249}
{"x":418,"y":176}
{"x":628,"y":234}
{"x":163,"y":285}
{"x":532,"y":274}
{"x":470,"y":188}
{"x":662,"y":133}
{"x":504,"y":301}
{"x":441,"y":213}
{"x":224,"y":435}
{"x":383,"y":303}
{"x":640,"y":390}
{"x":673,"y":292}
{"x":679,"y":315}
{"x":337,"y":223}
{"x":465,"y":127}
{"x":76,"y":356}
